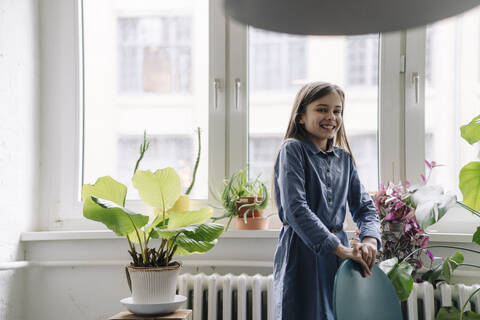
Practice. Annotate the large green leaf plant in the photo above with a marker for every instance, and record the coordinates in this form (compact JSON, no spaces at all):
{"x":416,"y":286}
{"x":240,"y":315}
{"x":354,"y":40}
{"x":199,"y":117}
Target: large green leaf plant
{"x":469,"y":177}
{"x":182,"y":231}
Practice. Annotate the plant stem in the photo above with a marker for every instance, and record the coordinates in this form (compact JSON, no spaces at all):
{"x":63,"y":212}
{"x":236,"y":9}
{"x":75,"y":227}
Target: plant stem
{"x":473,"y":211}
{"x":230,"y":220}
{"x":145,"y":239}
{"x":143,"y":149}
{"x":174,"y":246}
{"x":440,"y":246}
{"x":166,"y":258}
{"x":189,"y":189}
{"x":466,"y":302}
{"x":163,"y":208}
{"x":130,"y":244}
{"x":468,"y":265}
{"x":144,"y":254}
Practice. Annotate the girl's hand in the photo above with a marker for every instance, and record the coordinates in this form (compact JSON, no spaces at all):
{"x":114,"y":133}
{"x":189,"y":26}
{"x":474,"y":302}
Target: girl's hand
{"x":369,"y":251}
{"x":355,"y":254}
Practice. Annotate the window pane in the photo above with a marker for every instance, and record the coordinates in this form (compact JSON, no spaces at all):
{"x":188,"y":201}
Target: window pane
{"x":452,"y":94}
{"x":141,"y":74}
{"x":279,"y":65}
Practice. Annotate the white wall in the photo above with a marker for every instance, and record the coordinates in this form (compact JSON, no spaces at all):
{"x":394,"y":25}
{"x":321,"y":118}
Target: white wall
{"x":91,"y":281}
{"x":80,"y":279}
{"x":19,"y":109}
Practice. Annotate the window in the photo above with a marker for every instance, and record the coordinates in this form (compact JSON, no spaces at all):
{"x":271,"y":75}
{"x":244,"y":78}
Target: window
{"x":268,"y":51}
{"x":145,"y":69}
{"x":165,"y":151}
{"x":362,"y":60}
{"x":452,"y":95}
{"x":169,"y":67}
{"x":280,"y":64}
{"x":155,"y":54}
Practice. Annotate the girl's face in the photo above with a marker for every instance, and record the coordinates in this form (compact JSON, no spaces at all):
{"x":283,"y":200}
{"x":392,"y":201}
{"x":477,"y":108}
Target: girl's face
{"x":323,"y":118}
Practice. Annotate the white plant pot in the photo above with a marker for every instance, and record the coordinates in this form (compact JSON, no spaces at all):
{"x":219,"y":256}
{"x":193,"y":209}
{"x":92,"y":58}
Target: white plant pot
{"x":153,"y":285}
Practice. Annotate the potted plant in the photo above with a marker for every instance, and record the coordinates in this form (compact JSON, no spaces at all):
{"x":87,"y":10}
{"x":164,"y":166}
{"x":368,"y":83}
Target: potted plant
{"x":153,"y":271}
{"x":244,"y":200}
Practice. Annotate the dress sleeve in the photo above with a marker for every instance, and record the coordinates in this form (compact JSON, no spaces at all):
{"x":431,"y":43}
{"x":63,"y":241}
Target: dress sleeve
{"x":291,"y":185}
{"x":361,"y":206}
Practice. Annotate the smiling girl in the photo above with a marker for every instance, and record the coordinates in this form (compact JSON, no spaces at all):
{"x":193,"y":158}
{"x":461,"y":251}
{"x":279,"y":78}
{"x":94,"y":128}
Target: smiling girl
{"x":314,"y":179}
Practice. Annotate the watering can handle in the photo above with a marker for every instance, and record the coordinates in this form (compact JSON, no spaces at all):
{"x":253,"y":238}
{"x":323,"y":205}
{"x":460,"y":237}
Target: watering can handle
{"x":129,"y":281}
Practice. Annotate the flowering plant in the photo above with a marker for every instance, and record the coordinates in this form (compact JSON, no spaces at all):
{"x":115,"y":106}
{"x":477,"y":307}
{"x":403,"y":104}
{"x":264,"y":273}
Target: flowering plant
{"x":405,"y":212}
{"x":401,"y":232}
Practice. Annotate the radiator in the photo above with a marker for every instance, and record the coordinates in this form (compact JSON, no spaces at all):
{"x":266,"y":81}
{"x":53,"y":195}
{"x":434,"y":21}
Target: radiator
{"x":227,"y":297}
{"x":424,"y":302}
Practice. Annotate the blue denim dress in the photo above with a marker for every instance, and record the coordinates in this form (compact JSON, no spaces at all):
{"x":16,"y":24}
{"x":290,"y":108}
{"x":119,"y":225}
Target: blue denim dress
{"x":312,"y":188}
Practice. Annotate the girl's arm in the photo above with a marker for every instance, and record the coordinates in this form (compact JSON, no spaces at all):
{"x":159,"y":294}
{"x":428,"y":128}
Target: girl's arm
{"x":363,"y":209}
{"x":291,"y":193}
{"x":365,"y":216}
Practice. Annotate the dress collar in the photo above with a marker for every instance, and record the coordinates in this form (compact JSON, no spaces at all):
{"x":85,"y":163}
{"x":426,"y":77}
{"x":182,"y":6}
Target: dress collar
{"x":314,"y":149}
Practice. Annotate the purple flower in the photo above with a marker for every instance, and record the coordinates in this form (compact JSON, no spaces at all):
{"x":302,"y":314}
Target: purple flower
{"x":390,"y":217}
{"x":429,"y":165}
{"x":430,"y":255}
{"x":399,"y":205}
{"x":424,"y":242}
{"x":423,"y":178}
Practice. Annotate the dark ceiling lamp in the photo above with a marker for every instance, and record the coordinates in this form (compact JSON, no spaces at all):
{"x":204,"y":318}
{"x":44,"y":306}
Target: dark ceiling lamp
{"x":343,"y":17}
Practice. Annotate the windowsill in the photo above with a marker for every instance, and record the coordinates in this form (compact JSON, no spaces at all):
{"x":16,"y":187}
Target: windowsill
{"x":232,"y":234}
{"x":107,"y":234}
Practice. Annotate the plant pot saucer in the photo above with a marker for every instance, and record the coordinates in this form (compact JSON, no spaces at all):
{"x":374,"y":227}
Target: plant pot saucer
{"x":154,"y":309}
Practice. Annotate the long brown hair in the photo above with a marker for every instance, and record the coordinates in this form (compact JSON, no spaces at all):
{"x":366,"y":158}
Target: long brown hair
{"x":308,"y":94}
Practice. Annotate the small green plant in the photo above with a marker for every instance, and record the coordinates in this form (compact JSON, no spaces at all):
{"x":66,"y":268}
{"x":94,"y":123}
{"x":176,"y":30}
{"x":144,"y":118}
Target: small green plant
{"x":237,"y":187}
{"x":182,"y":231}
{"x":400,"y":272}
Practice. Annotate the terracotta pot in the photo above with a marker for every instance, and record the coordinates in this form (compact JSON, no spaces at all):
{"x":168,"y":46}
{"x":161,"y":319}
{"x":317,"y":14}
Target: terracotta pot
{"x":241,"y":211}
{"x":253,"y":223}
{"x":153,"y":285}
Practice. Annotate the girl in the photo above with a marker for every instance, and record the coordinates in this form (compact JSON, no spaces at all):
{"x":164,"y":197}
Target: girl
{"x":314,"y":178}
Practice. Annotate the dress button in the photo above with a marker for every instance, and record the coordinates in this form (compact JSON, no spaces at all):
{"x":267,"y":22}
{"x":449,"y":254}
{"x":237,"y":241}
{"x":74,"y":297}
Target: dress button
{"x":329,"y":185}
{"x":328,"y":170}
{"x":329,"y":200}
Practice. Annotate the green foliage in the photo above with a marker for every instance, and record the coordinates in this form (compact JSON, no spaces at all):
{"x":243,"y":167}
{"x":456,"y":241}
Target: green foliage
{"x":476,"y":236}
{"x":431,"y":203}
{"x":470,"y":184}
{"x":470,"y":174}
{"x":452,"y":313}
{"x":400,"y":276}
{"x":236,"y":187}
{"x":443,"y":272}
{"x":197,"y":161}
{"x":159,"y":189}
{"x":471,"y":131}
{"x":143,"y":148}
{"x":447,"y":313}
{"x":182,"y":231}
{"x":120,"y":221}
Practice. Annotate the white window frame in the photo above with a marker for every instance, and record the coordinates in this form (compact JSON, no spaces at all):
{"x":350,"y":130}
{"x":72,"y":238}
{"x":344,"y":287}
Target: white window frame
{"x":400,"y":117}
{"x":62,"y":113}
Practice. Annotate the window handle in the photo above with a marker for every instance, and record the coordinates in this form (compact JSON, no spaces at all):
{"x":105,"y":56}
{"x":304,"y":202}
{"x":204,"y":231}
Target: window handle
{"x":216,"y":86}
{"x":416,"y":83}
{"x":238,"y":84}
